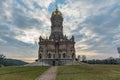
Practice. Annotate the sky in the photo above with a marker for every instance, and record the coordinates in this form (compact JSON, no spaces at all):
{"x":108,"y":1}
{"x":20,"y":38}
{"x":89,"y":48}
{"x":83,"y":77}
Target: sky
{"x":95,"y":25}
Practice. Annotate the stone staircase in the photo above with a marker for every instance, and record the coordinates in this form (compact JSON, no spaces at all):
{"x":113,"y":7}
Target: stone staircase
{"x":74,"y":63}
{"x":37,"y":63}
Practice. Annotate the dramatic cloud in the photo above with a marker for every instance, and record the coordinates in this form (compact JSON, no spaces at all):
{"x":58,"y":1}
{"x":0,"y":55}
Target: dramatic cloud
{"x":94,"y":23}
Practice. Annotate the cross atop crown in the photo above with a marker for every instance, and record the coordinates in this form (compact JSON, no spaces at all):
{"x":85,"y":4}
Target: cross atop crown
{"x":56,"y":7}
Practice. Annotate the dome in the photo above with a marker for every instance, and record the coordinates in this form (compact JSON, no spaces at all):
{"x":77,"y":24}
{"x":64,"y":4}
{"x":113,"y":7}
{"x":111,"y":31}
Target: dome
{"x":56,"y":12}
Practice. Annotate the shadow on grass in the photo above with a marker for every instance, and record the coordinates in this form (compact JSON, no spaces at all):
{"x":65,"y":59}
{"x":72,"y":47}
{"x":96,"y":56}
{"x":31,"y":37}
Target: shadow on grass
{"x":12,"y":72}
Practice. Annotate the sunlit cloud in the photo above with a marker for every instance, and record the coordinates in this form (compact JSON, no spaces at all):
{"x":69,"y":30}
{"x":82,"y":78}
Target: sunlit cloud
{"x":30,"y":60}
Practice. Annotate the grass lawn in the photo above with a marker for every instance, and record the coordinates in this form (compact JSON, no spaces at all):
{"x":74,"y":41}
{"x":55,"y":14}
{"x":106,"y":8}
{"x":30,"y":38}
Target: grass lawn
{"x":21,"y":72}
{"x":1,"y":65}
{"x":89,"y":72}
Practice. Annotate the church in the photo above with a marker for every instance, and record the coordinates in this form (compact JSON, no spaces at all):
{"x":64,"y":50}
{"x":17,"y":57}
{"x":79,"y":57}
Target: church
{"x":57,"y":49}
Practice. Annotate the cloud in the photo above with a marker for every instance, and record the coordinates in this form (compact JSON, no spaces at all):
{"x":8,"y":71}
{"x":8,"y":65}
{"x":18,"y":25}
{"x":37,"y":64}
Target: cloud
{"x":21,"y":24}
{"x":95,"y":25}
{"x":30,"y":59}
{"x":14,"y":48}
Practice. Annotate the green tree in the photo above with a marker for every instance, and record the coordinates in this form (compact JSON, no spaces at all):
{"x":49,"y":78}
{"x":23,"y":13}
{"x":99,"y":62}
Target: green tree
{"x":2,"y":57}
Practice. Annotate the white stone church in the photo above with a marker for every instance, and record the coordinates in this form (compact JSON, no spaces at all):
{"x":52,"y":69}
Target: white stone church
{"x":57,"y":49}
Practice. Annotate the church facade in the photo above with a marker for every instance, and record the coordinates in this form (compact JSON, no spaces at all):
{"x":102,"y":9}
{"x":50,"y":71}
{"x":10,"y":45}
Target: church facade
{"x":57,"y":49}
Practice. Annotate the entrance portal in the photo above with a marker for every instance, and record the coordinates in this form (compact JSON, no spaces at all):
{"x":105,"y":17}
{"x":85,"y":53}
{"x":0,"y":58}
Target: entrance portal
{"x":53,"y":63}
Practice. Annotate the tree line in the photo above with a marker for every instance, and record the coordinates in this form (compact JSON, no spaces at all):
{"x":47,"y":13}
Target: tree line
{"x":109,"y":60}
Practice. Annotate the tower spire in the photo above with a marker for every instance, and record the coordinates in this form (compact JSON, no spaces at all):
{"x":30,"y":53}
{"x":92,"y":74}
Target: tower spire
{"x":56,"y":7}
{"x":56,"y":12}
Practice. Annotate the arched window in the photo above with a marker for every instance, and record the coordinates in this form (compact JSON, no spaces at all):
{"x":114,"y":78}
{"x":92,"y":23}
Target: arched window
{"x":49,"y":55}
{"x":53,"y":55}
{"x":41,"y":49}
{"x":59,"y":55}
{"x":64,"y":55}
{"x":40,"y":56}
{"x":73,"y":55}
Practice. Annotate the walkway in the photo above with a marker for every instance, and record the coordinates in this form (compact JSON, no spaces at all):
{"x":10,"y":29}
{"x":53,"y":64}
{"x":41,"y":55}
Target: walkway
{"x":50,"y":74}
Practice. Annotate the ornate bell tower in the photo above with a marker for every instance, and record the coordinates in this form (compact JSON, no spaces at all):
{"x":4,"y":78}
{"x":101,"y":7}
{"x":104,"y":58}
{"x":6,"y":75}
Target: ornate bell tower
{"x":58,"y":49}
{"x":56,"y":25}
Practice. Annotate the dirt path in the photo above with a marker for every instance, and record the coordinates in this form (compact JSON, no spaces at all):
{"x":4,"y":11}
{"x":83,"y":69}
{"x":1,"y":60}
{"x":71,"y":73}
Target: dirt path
{"x":50,"y":74}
